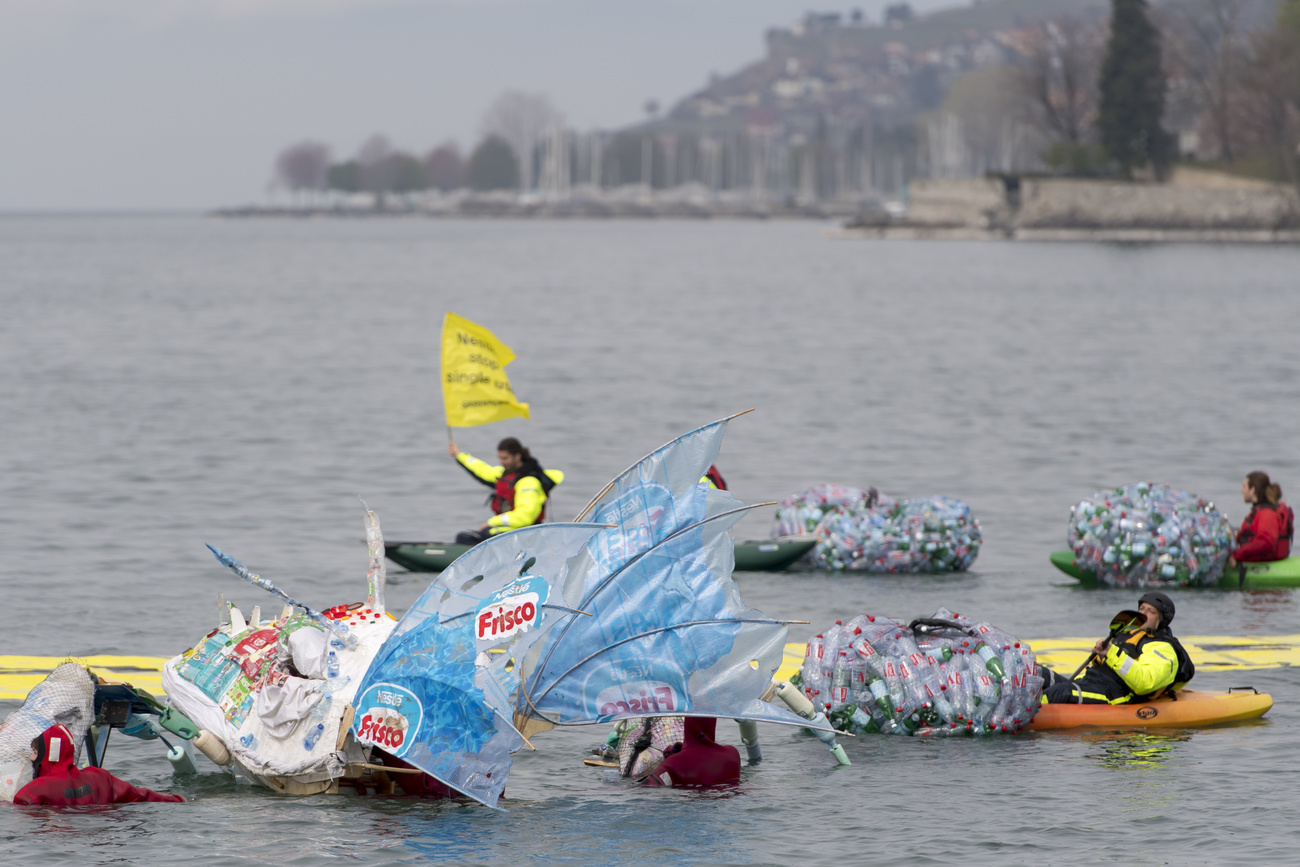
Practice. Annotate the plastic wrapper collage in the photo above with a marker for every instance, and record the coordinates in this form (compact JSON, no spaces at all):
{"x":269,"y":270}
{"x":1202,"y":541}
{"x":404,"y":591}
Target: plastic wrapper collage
{"x":941,"y":676}
{"x":1149,"y":535}
{"x":861,"y":530}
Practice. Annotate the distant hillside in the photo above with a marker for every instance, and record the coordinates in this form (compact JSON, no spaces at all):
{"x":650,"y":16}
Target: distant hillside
{"x":837,"y":73}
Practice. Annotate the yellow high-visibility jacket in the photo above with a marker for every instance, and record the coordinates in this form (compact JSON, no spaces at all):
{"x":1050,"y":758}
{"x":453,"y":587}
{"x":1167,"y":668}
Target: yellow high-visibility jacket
{"x":520,"y":497}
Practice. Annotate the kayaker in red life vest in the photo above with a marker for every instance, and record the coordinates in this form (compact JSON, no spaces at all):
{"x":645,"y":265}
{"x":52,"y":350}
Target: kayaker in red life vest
{"x":1142,"y":664}
{"x":700,"y":761}
{"x":1266,"y":533}
{"x":520,"y":487}
{"x":59,"y":782}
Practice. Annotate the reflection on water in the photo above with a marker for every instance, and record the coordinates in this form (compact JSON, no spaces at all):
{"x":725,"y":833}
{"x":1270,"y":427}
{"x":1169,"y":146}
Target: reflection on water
{"x":1266,"y":609}
{"x":1134,"y":750}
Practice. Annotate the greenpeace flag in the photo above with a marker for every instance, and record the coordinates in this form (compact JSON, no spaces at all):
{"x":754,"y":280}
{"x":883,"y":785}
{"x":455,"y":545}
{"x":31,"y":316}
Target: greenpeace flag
{"x":475,"y":388}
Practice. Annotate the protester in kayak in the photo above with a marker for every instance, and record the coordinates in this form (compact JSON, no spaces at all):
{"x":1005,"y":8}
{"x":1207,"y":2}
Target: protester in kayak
{"x":1141,"y":664}
{"x":59,"y":782}
{"x":520,"y":487}
{"x":1267,"y":532}
{"x":700,"y":761}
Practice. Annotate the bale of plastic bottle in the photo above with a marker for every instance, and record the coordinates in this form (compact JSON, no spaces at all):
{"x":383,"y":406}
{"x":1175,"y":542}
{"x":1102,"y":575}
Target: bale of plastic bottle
{"x":862,"y":530}
{"x":1147,"y":535}
{"x":940,"y":676}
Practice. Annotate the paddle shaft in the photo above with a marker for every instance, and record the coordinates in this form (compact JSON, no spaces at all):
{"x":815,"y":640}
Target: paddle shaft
{"x":1114,"y":633}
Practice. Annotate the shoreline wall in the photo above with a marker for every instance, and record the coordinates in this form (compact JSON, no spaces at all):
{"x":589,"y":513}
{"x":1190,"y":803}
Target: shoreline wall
{"x":1193,"y":205}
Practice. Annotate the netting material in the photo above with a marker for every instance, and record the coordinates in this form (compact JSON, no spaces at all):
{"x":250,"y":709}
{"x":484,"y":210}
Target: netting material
{"x":861,"y":530}
{"x":662,"y":732}
{"x":943,"y":676}
{"x":1146,"y":534}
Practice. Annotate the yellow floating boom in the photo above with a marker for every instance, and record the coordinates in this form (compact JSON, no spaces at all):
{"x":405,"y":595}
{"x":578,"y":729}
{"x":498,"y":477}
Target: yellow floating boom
{"x":18,"y":674}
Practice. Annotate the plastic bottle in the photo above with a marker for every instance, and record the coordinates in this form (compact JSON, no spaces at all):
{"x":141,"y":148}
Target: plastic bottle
{"x":991,"y":660}
{"x":841,"y":683}
{"x":313,"y":735}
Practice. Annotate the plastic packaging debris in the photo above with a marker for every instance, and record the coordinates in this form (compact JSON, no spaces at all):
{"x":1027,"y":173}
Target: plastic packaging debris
{"x":941,"y":676}
{"x":1148,"y":534}
{"x":862,"y":530}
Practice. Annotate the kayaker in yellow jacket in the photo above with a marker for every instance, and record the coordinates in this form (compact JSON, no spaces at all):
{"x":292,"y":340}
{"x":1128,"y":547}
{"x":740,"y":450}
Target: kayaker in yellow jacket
{"x":520,"y":487}
{"x":1140,"y":664}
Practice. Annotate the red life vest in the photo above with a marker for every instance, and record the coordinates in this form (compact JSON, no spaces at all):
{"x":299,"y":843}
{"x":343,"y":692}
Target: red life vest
{"x":503,"y":500}
{"x":716,"y":477}
{"x":1286,"y":532}
{"x":1265,"y":535}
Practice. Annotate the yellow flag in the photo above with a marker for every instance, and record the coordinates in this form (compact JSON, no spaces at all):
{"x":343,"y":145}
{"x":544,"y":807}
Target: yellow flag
{"x":475,"y":387}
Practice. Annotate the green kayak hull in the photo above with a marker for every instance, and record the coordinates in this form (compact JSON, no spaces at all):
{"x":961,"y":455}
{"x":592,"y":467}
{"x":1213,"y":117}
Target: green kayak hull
{"x":772,"y":555}
{"x":759,"y":556}
{"x":1243,"y":576}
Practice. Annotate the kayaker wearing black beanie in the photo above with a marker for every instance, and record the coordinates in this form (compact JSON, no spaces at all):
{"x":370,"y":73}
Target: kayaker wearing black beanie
{"x":1142,"y":664}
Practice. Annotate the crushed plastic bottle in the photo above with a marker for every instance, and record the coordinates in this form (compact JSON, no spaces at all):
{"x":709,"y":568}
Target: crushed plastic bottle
{"x":1149,"y":535}
{"x":313,"y":735}
{"x":941,"y":676}
{"x":862,"y":530}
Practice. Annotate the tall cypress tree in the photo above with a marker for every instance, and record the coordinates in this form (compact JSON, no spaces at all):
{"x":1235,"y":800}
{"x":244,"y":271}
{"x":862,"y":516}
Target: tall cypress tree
{"x":1132,"y":88}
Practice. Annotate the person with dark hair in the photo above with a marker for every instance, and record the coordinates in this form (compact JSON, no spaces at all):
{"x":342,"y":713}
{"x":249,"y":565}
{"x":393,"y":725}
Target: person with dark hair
{"x":519,"y":488}
{"x":700,"y":761}
{"x":1141,"y":664}
{"x":59,"y":782}
{"x":1266,"y":533}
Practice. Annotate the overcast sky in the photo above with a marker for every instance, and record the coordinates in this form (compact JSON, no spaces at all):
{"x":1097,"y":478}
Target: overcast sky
{"x":139,"y":104}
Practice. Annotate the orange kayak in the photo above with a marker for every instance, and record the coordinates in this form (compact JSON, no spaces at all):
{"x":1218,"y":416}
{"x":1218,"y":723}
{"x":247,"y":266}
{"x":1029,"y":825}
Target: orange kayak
{"x":1192,"y":709}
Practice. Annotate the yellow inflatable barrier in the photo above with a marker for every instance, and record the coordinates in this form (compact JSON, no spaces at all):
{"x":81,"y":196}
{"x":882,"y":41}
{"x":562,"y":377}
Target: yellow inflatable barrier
{"x":18,"y":674}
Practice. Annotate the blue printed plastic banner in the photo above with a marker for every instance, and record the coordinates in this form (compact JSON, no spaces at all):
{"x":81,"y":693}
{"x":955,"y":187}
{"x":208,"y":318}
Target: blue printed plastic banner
{"x":432,"y":697}
{"x":668,"y":632}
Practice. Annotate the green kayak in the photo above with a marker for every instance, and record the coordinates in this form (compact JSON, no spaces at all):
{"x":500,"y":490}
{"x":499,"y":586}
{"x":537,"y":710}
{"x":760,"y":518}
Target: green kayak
{"x":769,"y":555}
{"x":1243,"y":576}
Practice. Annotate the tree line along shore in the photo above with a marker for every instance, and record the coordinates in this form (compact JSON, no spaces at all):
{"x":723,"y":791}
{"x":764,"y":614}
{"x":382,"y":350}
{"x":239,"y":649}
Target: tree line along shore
{"x":1067,"y":115}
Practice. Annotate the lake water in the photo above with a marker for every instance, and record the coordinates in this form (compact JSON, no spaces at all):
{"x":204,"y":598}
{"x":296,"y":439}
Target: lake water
{"x":170,"y":381}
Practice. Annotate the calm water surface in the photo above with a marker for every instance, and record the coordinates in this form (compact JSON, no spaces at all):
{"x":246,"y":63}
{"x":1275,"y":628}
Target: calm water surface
{"x":167,"y":382}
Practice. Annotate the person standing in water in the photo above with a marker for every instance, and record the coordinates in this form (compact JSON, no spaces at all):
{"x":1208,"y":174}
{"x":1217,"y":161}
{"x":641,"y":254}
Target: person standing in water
{"x":520,"y":487}
{"x":701,"y":761}
{"x":60,"y":783}
{"x":1267,"y":532}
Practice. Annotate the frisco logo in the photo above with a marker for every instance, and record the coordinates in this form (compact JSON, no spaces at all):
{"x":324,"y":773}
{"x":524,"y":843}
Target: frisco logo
{"x":383,"y":727}
{"x":390,"y":717}
{"x":647,"y":696}
{"x":505,"y":617}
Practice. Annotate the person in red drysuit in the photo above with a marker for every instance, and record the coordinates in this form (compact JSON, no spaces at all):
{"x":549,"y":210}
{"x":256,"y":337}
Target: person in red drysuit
{"x":700,"y":761}
{"x":1266,"y":533}
{"x":59,"y":782}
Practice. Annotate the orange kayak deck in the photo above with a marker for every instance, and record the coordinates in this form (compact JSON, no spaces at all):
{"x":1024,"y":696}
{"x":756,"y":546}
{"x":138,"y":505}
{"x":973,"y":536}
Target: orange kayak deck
{"x":1192,"y":709}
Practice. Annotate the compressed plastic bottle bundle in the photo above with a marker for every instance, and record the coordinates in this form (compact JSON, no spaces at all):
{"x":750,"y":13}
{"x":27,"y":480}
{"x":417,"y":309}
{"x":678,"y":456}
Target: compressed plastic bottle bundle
{"x":862,"y":530}
{"x":941,"y":676}
{"x":1147,"y":534}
